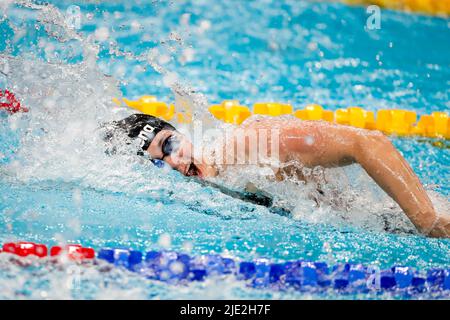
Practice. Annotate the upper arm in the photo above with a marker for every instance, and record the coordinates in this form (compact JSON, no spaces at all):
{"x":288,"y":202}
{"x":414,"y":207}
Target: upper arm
{"x":313,"y":143}
{"x":320,"y":143}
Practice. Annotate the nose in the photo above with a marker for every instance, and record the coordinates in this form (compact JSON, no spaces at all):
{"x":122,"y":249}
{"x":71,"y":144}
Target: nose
{"x":184,"y":153}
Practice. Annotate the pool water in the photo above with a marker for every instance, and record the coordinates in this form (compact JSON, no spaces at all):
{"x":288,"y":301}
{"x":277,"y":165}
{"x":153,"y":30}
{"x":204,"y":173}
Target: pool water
{"x":57,"y":185}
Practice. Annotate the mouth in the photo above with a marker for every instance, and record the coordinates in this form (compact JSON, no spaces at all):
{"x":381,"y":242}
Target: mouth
{"x":192,"y":170}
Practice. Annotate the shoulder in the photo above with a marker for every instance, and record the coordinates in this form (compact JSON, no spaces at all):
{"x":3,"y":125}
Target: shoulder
{"x":286,"y":124}
{"x":263,"y":121}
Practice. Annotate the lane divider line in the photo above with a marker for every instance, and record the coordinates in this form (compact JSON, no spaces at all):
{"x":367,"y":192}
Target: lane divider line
{"x":389,"y":121}
{"x":178,"y":268}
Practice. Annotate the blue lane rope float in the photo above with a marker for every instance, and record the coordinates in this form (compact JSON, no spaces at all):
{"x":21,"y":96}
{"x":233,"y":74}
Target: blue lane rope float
{"x":175,"y":267}
{"x":308,"y":276}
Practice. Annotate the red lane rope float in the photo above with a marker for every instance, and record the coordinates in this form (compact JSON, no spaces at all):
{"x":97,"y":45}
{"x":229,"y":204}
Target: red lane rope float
{"x":10,"y":103}
{"x":72,"y":251}
{"x":24,"y":249}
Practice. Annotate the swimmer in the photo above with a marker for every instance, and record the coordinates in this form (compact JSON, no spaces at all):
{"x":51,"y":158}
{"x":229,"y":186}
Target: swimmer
{"x":311,"y":143}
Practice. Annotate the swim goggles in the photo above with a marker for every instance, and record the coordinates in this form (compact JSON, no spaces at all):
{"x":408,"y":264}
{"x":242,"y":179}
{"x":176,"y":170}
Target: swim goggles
{"x":169,"y":146}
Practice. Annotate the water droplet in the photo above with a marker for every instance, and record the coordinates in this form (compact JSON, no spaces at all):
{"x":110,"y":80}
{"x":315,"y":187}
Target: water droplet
{"x":164,"y":240}
{"x":101,"y":34}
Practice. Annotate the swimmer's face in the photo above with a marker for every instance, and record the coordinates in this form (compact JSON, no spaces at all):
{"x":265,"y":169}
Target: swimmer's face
{"x":176,"y":150}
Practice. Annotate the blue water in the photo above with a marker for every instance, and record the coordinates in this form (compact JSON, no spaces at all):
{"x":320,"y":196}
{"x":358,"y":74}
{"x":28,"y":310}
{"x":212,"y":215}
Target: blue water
{"x":291,"y":51}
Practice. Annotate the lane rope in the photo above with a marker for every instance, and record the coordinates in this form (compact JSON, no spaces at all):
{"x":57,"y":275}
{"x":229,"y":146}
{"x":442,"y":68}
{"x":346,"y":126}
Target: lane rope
{"x":179,"y":268}
{"x":389,"y":121}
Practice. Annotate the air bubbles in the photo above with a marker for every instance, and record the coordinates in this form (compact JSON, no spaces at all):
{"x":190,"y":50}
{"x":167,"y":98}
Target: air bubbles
{"x":177,"y":267}
{"x":185,"y":19}
{"x":89,"y":16}
{"x":106,"y":15}
{"x":159,"y":206}
{"x":49,"y":50}
{"x":165,"y":240}
{"x":13,"y":123}
{"x":4,"y":4}
{"x":146,"y":37}
{"x":120,"y":71}
{"x":138,"y":69}
{"x":42,"y":43}
{"x":101,"y":34}
{"x":4,"y":67}
{"x":326,"y":247}
{"x":164,"y":59}
{"x":175,"y":36}
{"x":40,"y":251}
{"x":312,"y":46}
{"x":188,"y":246}
{"x":135,"y":26}
{"x":77,"y":198}
{"x":165,"y":275}
{"x":321,"y":26}
{"x":273,"y":46}
{"x":204,"y":25}
{"x":74,"y":225}
{"x":153,"y":53}
{"x":170,"y":79}
{"x":187,"y":55}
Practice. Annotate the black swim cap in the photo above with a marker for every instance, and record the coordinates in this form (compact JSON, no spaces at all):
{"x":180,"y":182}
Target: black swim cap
{"x":142,"y":126}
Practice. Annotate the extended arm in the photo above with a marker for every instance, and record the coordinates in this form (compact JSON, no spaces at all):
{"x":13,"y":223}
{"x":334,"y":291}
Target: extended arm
{"x":329,"y":145}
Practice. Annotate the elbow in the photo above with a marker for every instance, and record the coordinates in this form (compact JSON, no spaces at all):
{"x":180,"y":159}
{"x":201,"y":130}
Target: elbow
{"x":369,"y":142}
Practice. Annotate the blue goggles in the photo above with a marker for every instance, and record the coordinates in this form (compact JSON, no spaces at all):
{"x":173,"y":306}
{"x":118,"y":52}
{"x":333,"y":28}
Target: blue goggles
{"x":169,"y":146}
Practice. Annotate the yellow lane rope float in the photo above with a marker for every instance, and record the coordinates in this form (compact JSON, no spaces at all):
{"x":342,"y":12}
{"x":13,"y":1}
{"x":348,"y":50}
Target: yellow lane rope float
{"x":433,"y":7}
{"x":390,"y":121}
